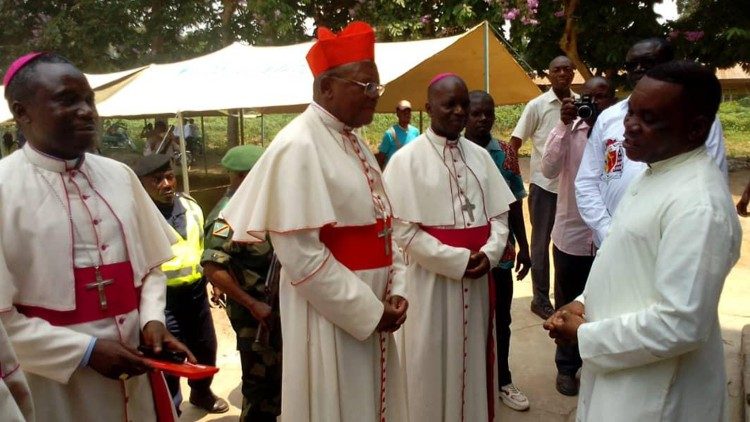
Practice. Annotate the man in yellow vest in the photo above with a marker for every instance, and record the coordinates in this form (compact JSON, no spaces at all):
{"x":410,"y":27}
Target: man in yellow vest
{"x":188,"y":316}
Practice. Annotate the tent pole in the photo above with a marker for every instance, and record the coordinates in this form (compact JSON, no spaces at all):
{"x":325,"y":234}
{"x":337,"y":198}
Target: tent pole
{"x":487,"y":56}
{"x":262,"y":130}
{"x":242,"y":127}
{"x":183,"y":157}
{"x":203,"y":147}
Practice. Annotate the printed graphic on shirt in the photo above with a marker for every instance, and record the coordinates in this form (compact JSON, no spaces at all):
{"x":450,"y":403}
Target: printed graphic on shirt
{"x":613,"y":155}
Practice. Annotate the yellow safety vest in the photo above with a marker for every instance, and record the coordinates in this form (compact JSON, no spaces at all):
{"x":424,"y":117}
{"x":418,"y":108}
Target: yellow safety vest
{"x":185,"y":267}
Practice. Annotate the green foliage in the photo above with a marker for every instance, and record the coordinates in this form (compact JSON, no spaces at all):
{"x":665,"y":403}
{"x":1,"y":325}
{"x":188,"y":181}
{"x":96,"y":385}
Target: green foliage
{"x":716,"y":32}
{"x":107,"y":35}
{"x":605,"y":29}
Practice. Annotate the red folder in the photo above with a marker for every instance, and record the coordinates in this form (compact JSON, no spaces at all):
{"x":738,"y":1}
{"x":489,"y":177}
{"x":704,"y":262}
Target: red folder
{"x":187,"y":370}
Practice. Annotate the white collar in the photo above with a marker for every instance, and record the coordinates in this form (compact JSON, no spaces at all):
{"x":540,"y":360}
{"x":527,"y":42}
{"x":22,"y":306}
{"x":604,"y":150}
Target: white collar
{"x":329,"y":119}
{"x":50,"y":163}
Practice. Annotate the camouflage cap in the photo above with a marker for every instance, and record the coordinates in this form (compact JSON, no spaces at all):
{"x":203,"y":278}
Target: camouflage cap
{"x":242,"y":158}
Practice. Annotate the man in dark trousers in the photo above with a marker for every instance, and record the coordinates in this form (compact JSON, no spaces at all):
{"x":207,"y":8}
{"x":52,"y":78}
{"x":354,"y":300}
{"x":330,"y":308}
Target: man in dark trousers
{"x":188,"y":316}
{"x":478,"y":130}
{"x":240,"y":270}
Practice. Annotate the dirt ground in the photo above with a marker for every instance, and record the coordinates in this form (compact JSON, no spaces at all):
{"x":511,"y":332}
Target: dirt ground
{"x":532,"y":352}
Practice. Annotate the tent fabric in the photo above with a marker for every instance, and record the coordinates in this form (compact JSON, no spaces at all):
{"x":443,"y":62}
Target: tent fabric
{"x":278,"y":79}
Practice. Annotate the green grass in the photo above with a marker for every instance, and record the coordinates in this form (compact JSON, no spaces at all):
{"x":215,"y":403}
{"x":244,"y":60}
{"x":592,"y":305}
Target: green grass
{"x":735,"y":119}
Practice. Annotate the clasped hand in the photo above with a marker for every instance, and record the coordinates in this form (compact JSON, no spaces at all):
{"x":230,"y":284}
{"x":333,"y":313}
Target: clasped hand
{"x":394,"y":313}
{"x":563,"y":324}
{"x":477,"y":266}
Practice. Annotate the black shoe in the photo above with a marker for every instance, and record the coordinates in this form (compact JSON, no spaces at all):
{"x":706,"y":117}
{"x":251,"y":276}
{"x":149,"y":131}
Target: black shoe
{"x":542,"y":311}
{"x":209,"y":402}
{"x":566,"y":384}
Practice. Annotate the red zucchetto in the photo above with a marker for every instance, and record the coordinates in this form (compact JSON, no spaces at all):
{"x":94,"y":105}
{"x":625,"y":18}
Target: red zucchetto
{"x":354,"y":43}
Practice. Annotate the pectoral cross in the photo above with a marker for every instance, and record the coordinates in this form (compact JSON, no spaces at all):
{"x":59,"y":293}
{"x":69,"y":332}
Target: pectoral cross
{"x":469,"y":208}
{"x":386,"y":235}
{"x":99,"y":285}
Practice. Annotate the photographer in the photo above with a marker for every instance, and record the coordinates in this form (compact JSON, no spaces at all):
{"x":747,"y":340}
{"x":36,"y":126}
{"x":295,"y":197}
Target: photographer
{"x":573,"y":247}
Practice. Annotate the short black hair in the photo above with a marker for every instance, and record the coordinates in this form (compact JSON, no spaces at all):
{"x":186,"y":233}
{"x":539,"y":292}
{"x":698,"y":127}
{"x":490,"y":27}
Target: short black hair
{"x":479,"y":95}
{"x":562,"y":56}
{"x":663,"y":46}
{"x":701,"y":90}
{"x":19,"y":88}
{"x":600,"y":79}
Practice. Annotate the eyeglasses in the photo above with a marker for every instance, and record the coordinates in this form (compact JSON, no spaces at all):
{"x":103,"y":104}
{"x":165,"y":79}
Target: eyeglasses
{"x":371,"y":88}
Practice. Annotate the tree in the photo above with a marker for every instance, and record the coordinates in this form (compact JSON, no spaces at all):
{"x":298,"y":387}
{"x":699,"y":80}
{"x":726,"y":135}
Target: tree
{"x":715,"y":32}
{"x":595,"y":35}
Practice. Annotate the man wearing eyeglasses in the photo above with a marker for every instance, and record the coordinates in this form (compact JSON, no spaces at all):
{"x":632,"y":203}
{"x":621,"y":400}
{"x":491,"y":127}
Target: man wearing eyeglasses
{"x":318,"y":193}
{"x":605,"y":170}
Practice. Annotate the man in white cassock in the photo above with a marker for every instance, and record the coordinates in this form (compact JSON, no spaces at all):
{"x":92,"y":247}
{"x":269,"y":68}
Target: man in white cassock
{"x":318,"y":192}
{"x":15,"y":397}
{"x":647,"y":323}
{"x":80,"y":285}
{"x":450,"y":208}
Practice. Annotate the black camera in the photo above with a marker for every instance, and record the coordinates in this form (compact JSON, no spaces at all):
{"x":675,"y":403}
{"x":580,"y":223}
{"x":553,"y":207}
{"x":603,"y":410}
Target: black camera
{"x":585,"y":107}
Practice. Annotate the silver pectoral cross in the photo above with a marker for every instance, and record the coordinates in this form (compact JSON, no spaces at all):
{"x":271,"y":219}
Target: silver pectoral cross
{"x":469,"y":208}
{"x":99,"y":285}
{"x":386,"y":234}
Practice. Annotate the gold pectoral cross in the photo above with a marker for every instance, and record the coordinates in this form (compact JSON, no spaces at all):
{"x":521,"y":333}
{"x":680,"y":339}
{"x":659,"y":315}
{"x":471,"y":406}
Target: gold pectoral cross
{"x":99,"y":285}
{"x":469,"y":208}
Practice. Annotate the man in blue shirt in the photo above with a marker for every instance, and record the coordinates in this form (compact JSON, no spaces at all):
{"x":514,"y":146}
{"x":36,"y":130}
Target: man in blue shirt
{"x":481,"y":118}
{"x":397,"y":135}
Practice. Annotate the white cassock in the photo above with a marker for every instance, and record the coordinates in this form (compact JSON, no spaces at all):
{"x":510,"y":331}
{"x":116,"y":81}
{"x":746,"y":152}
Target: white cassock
{"x":651,"y":347}
{"x":447,"y":333}
{"x":16,"y":404}
{"x":56,"y":215}
{"x":336,"y":367}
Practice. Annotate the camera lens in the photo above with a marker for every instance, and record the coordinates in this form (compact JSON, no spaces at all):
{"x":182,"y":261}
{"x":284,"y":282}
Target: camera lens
{"x":585,"y":112}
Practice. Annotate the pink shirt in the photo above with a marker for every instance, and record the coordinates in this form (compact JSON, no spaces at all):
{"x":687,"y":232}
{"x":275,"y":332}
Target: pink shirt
{"x":561,"y":158}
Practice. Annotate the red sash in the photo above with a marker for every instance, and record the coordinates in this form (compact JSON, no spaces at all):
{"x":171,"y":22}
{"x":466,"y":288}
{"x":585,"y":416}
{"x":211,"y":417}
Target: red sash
{"x":120,"y":294}
{"x":121,"y":297}
{"x":473,"y":239}
{"x":359,"y":247}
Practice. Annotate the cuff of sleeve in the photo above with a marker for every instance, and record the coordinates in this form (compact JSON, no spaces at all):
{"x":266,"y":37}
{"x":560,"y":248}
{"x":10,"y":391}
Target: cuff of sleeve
{"x":398,"y":286}
{"x":376,"y":309}
{"x":587,"y":345}
{"x":87,"y":353}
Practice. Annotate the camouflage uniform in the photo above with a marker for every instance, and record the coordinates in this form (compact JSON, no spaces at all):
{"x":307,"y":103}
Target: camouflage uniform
{"x":261,"y":363}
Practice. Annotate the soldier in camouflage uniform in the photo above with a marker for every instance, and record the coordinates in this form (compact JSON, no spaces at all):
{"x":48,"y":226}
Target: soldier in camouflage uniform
{"x":240,"y":271}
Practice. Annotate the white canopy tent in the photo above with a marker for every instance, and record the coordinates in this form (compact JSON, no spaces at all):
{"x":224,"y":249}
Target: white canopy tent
{"x":278,"y":80}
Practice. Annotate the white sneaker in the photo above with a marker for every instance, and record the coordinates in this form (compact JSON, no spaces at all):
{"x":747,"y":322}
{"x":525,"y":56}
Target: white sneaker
{"x":514,"y":398}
